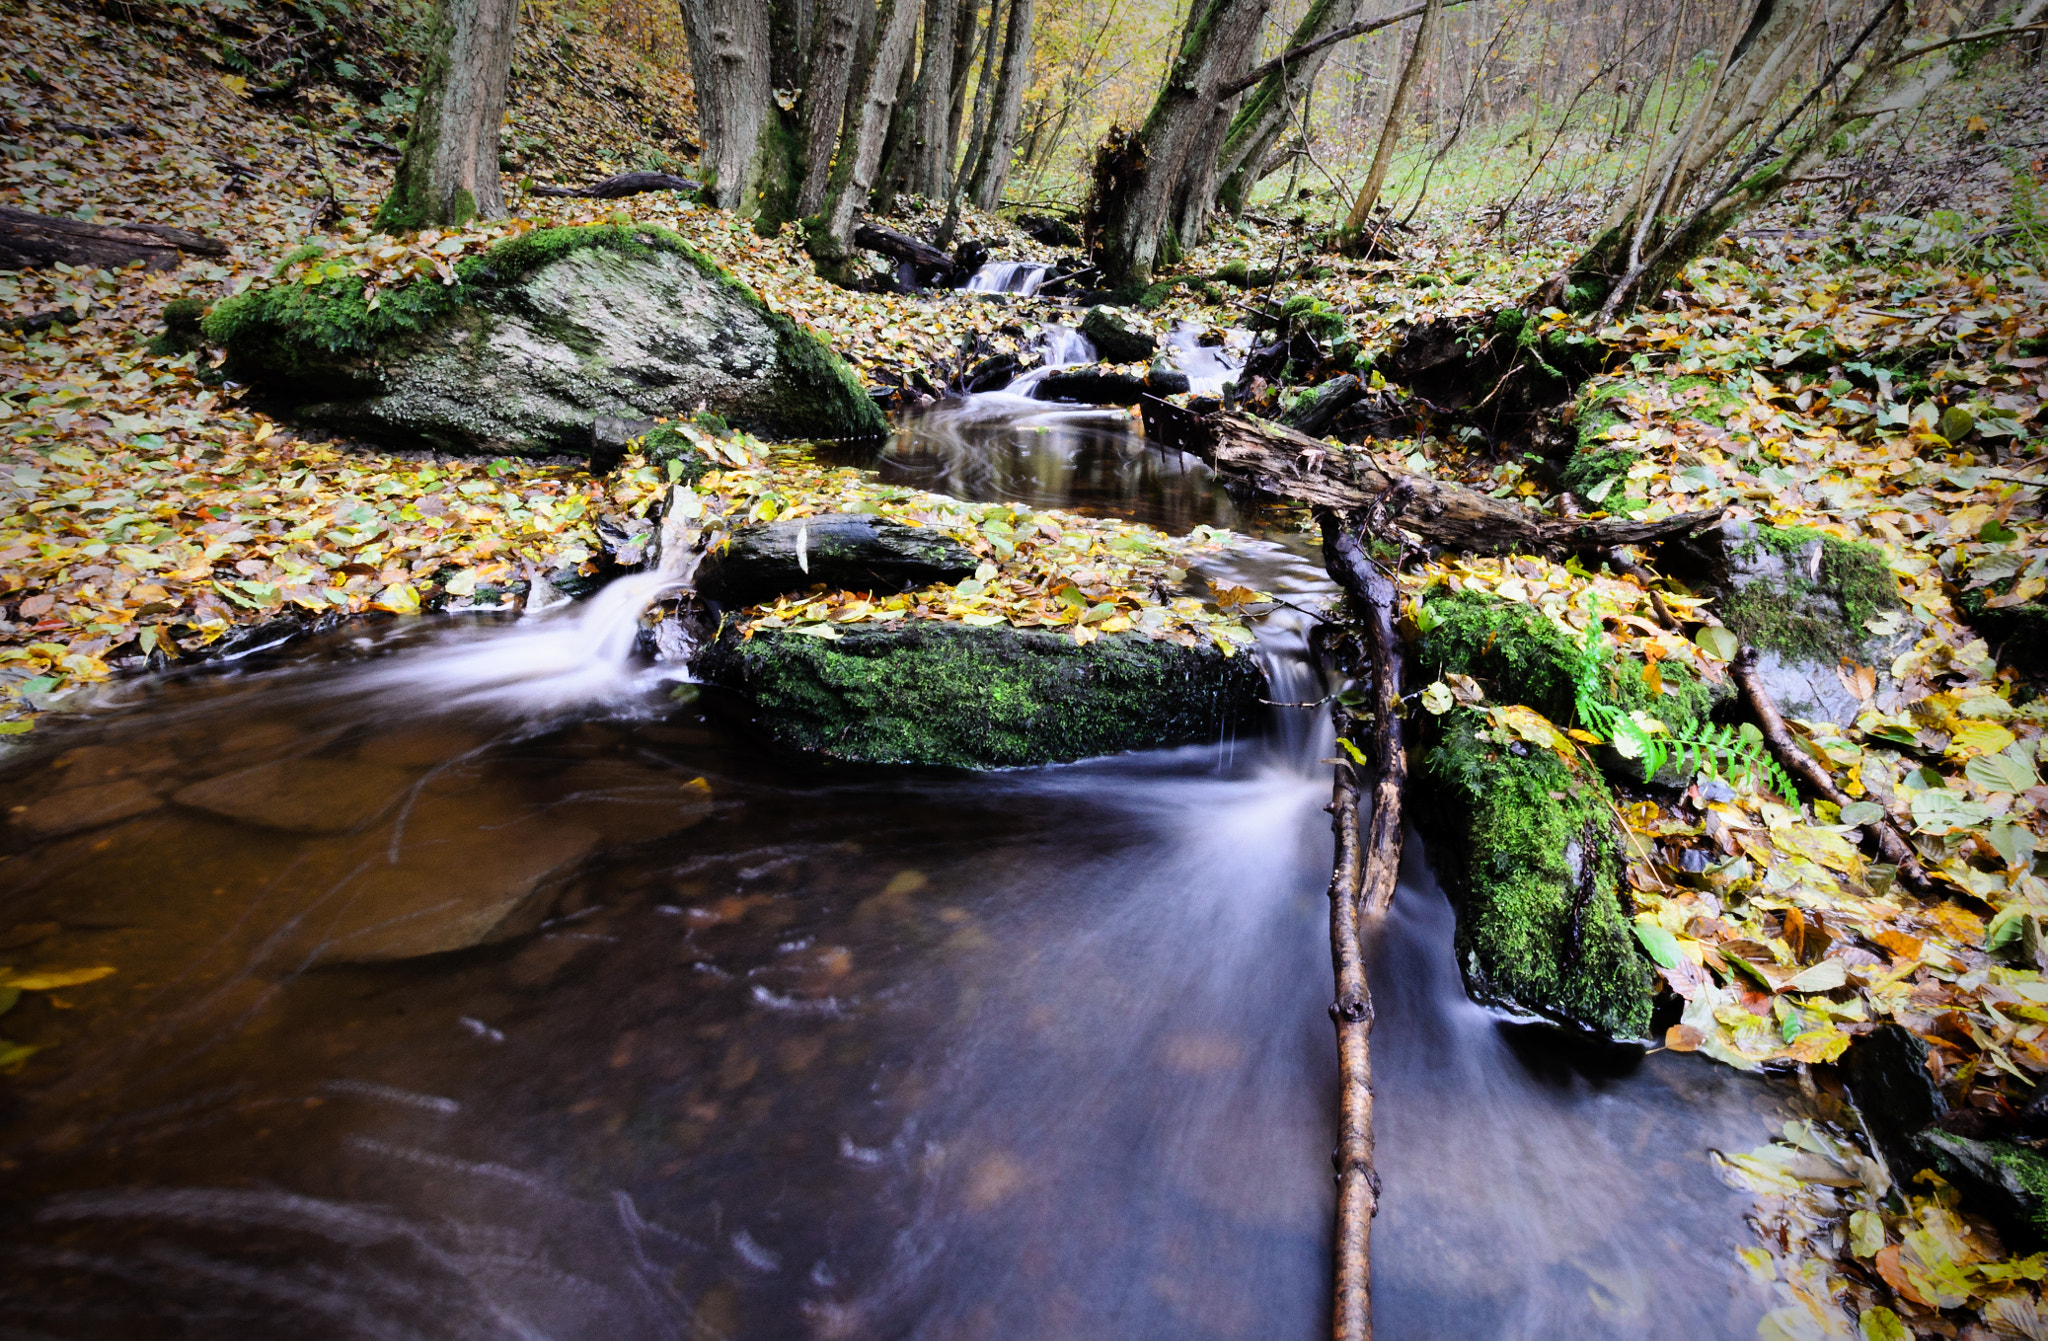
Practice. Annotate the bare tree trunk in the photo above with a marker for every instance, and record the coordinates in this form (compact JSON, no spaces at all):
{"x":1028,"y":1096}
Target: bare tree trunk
{"x":964,"y":32}
{"x":1390,"y":133}
{"x":1138,"y":177}
{"x":728,"y":42}
{"x":828,"y":234}
{"x":449,"y":173}
{"x":1267,"y":111}
{"x":931,"y":168}
{"x":820,"y":108}
{"x":984,"y":93}
{"x":992,"y":173}
{"x":893,"y":177}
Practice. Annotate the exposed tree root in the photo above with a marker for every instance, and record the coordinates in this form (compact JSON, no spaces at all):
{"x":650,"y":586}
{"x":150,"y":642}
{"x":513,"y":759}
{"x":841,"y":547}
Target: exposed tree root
{"x":1890,"y":843}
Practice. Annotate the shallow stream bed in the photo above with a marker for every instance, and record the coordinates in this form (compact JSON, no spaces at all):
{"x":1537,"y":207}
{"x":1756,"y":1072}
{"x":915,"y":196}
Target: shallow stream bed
{"x":778,"y":1049}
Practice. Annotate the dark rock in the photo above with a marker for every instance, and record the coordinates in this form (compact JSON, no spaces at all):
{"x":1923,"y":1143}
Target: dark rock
{"x":1533,"y":857}
{"x":991,"y":374}
{"x":2005,"y":1183}
{"x":1090,"y":386}
{"x":609,"y":438}
{"x":842,"y":550}
{"x":1886,"y":1070}
{"x":1115,"y":338}
{"x":1049,"y":229}
{"x":1166,"y":382}
{"x":543,"y":336}
{"x":924,"y":692}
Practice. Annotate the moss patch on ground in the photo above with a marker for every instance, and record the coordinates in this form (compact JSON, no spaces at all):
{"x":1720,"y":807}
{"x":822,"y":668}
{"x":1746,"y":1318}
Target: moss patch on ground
{"x":1534,"y":860}
{"x":1595,"y":459}
{"x":987,"y":697}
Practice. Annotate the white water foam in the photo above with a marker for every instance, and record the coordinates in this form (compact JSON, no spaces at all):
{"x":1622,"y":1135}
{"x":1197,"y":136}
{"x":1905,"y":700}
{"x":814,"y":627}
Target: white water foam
{"x":1019,"y":277}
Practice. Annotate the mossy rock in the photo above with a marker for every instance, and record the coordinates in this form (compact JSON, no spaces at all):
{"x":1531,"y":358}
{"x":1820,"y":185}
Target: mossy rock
{"x":1595,"y":460}
{"x":924,"y":692}
{"x":543,"y":335}
{"x":1115,"y":338}
{"x":1532,"y":854}
{"x":2005,"y":1183}
{"x":1521,"y":655}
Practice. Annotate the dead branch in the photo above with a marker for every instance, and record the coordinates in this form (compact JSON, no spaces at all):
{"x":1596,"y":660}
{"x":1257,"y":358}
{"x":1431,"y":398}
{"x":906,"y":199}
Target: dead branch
{"x":1358,"y":1187}
{"x":620,"y":186}
{"x":1881,"y":832}
{"x":1294,"y":466}
{"x":30,"y":240}
{"x":1379,"y":599}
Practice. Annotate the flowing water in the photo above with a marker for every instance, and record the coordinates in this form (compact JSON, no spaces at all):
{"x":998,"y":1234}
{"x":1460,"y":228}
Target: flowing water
{"x":485,"y":981}
{"x":1018,"y":277}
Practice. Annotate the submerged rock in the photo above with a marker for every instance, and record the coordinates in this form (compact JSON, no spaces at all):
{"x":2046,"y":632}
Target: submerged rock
{"x":1090,"y":386}
{"x":845,"y":551}
{"x":545,"y":335}
{"x":2004,"y":1182}
{"x":924,"y":692}
{"x":1533,"y":858}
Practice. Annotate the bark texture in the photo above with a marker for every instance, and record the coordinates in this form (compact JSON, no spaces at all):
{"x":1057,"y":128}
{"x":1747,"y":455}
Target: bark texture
{"x":1268,"y":109}
{"x":1390,"y":133}
{"x":829,"y":232}
{"x":1138,"y":178}
{"x":29,"y":240}
{"x":449,"y":172}
{"x":1358,"y":1186}
{"x":728,"y":42}
{"x":992,"y":170}
{"x":930,"y":161}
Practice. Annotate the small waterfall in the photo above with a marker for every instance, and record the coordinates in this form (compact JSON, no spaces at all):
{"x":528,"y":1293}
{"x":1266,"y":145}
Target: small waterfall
{"x":1018,"y":277}
{"x":1208,"y":366}
{"x":1062,"y":347}
{"x":559,"y":656}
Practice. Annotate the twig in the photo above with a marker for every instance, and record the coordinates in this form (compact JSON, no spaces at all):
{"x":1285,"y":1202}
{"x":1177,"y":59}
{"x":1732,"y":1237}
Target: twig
{"x":1890,"y":843}
{"x":1645,"y":579}
{"x":1358,"y":1186}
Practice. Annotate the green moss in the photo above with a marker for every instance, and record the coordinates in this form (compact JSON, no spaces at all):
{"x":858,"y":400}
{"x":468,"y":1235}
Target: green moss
{"x":1521,"y":655}
{"x":662,"y":444}
{"x":305,"y":251}
{"x":303,"y":331}
{"x":461,"y":207}
{"x":999,"y":697}
{"x":1595,"y":460}
{"x":181,"y":333}
{"x":1510,"y":321}
{"x":1316,"y":317}
{"x":1535,"y":862}
{"x":1806,"y":620}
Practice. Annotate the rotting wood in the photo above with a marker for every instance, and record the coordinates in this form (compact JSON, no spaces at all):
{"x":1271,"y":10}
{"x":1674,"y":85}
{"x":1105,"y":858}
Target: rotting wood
{"x":30,"y":240}
{"x":1890,"y":843}
{"x":1294,"y":466}
{"x":1358,"y":1186}
{"x":621,"y":185}
{"x":903,"y":247}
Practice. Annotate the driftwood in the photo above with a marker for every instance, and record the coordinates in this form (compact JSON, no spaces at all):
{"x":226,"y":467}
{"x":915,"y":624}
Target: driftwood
{"x":1358,"y":1187}
{"x":902,"y":247}
{"x":623,"y":185}
{"x":1294,"y":466}
{"x":1890,"y":843}
{"x":30,"y":240}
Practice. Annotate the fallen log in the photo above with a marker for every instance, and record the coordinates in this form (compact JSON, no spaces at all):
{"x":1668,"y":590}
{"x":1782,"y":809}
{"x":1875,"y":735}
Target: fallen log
{"x":29,"y":240}
{"x":903,"y":247}
{"x":1890,"y":843}
{"x":620,"y":186}
{"x":1358,"y":1186}
{"x":1292,"y":465}
{"x":1372,"y":587}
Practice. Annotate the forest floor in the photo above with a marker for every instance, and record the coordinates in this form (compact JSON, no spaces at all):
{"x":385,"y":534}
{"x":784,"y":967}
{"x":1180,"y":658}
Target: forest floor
{"x":1880,"y":380}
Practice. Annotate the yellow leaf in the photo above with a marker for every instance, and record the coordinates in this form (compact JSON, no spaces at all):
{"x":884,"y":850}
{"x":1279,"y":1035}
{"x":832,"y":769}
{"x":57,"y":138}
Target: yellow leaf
{"x":50,"y":979}
{"x":1979,"y":737}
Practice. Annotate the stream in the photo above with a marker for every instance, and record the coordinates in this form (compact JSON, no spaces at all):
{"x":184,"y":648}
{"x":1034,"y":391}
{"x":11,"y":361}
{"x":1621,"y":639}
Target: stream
{"x":784,"y":1049}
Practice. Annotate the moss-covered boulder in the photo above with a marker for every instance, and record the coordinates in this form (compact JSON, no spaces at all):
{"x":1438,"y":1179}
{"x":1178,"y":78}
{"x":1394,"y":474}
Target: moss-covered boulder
{"x":542,"y":336}
{"x":1530,"y":850}
{"x":1805,"y":600}
{"x":1518,"y":654}
{"x":924,"y":692}
{"x":1116,"y":338}
{"x":2003,"y":1181}
{"x":1597,"y":469}
{"x":844,"y":551}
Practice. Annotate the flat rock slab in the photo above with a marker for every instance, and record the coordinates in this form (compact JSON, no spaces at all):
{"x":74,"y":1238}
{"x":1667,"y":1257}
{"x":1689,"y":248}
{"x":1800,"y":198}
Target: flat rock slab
{"x":924,"y":692}
{"x":301,"y":795}
{"x":845,"y":551}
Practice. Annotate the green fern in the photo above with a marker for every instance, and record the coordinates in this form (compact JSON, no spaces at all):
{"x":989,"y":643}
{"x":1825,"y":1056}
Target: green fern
{"x":1735,"y":755}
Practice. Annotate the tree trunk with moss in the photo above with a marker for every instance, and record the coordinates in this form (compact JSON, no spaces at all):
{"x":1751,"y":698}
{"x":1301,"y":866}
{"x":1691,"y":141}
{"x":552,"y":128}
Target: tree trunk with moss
{"x":449,"y":173}
{"x":930,"y":166}
{"x":1268,"y":109}
{"x":1130,"y":214}
{"x":992,"y":171}
{"x":828,"y":233}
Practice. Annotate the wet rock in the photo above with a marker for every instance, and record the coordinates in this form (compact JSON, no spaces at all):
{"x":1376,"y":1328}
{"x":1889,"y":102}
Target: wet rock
{"x":89,"y":807}
{"x":2005,"y":1183}
{"x":1090,"y":386}
{"x":1116,"y":338}
{"x":1531,"y":853}
{"x":930,"y":693}
{"x":842,"y":550}
{"x":1805,"y":601}
{"x":2018,"y":634}
{"x":1886,"y":1070}
{"x":991,"y":374}
{"x":300,"y":795}
{"x":1166,"y":382}
{"x":546,"y":335}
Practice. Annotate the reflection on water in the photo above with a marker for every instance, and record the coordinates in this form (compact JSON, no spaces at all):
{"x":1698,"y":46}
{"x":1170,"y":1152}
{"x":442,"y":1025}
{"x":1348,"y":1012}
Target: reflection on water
{"x":438,"y":1019}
